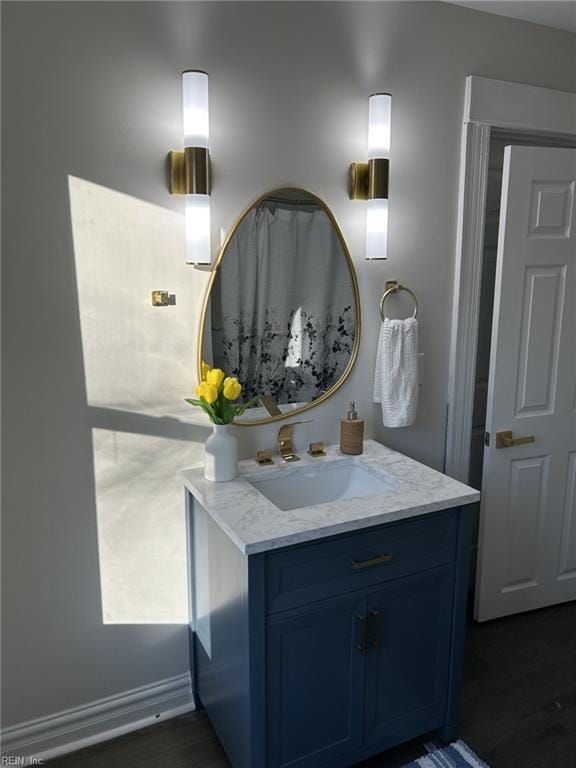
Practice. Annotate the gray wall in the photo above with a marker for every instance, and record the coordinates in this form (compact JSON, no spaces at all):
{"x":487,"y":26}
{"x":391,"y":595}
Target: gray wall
{"x":93,"y":91}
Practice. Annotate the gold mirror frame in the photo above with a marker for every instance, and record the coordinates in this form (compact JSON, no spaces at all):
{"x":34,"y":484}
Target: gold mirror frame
{"x":358,"y":318}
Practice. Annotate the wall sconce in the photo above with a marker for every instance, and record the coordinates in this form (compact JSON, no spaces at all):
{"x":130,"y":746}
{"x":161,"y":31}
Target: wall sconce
{"x":369,"y":181}
{"x":190,"y":169}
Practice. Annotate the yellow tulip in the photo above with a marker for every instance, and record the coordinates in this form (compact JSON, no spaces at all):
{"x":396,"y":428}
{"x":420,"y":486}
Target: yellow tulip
{"x":205,"y":368}
{"x":232,"y":388}
{"x":209,"y":392}
{"x":215,"y":377}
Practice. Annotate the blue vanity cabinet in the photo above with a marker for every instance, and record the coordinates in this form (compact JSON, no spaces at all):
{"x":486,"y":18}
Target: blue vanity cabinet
{"x":321,"y":654}
{"x":314,"y":683}
{"x":408,"y":658}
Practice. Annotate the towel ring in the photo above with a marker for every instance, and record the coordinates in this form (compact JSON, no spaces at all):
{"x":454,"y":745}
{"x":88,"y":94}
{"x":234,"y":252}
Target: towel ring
{"x":395,"y":289}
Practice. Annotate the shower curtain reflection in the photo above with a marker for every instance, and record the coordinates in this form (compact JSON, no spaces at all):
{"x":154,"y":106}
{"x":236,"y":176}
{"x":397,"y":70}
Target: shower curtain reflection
{"x":282,"y":312}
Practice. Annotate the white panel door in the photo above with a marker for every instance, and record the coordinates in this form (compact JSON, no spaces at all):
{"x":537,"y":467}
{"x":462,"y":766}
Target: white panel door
{"x":527,"y":546}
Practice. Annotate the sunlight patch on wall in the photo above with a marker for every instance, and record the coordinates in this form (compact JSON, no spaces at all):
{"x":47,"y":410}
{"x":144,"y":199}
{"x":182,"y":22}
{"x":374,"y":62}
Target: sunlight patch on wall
{"x":141,"y":527}
{"x":134,"y":354}
{"x":140,"y":362}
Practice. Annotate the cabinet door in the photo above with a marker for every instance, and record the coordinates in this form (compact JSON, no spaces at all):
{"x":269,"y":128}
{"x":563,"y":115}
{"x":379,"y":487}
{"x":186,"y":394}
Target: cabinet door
{"x":315,"y":683}
{"x":409,"y":630}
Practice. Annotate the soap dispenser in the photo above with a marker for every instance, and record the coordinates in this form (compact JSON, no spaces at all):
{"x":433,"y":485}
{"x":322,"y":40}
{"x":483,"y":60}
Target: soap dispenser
{"x":352,"y":433}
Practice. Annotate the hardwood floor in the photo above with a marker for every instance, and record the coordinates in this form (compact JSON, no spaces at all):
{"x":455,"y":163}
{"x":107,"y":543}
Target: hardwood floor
{"x":519,"y":699}
{"x":518,"y":708}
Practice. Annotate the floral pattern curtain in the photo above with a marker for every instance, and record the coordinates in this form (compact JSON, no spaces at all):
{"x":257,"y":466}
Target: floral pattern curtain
{"x":282,"y":306}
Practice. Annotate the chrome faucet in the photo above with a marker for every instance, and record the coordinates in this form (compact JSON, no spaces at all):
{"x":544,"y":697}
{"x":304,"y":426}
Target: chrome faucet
{"x":285,"y":441}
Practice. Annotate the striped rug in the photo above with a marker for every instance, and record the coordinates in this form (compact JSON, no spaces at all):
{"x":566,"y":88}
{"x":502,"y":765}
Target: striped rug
{"x":455,"y":755}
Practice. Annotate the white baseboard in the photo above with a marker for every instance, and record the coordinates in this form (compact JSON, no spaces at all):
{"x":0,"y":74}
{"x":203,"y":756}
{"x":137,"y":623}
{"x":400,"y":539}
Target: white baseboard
{"x":104,"y":719}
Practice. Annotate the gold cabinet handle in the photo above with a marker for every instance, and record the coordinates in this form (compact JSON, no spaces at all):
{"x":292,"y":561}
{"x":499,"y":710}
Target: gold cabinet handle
{"x":376,"y":621}
{"x":504,"y":439}
{"x":380,"y":560}
{"x":363,"y":633}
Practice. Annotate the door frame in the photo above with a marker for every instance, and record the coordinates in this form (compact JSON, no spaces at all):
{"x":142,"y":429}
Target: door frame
{"x":488,"y":105}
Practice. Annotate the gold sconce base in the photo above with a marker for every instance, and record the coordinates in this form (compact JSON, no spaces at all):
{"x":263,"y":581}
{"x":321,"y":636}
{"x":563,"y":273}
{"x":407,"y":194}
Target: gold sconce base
{"x":358,"y":181}
{"x":190,"y":171}
{"x":369,"y":181}
{"x":177,"y":173}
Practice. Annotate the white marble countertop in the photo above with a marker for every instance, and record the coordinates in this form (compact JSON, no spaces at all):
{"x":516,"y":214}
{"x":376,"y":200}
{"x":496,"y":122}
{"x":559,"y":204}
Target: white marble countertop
{"x":255,"y":524}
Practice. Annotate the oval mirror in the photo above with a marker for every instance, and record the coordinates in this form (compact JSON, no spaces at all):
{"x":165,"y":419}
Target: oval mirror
{"x":282,"y":310}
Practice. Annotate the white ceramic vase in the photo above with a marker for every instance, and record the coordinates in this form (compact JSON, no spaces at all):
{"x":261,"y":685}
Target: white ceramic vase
{"x":220,"y":455}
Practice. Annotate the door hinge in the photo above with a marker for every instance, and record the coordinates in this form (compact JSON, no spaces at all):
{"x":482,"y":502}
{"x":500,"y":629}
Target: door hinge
{"x":487,"y":439}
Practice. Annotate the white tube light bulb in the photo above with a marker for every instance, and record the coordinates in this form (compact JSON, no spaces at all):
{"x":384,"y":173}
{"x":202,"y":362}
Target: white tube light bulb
{"x":197,"y":226}
{"x":379,"y":118}
{"x":377,"y":228}
{"x":379,"y":114}
{"x":196,"y":119}
{"x":196,"y":134}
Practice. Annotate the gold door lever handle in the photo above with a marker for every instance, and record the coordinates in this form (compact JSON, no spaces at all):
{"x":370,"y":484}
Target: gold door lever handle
{"x":504,"y":439}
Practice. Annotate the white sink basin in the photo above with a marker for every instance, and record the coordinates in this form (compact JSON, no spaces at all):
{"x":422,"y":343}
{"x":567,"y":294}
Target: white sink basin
{"x":307,"y":486}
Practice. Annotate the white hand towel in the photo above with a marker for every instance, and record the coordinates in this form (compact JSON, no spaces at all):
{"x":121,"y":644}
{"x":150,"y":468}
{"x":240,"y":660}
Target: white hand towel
{"x":396,"y":374}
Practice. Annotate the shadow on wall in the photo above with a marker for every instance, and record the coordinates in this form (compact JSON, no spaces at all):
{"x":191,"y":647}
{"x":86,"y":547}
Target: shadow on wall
{"x":140,"y":364}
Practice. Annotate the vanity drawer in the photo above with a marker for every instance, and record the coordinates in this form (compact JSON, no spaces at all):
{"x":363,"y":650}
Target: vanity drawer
{"x":317,"y":570}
